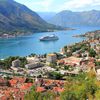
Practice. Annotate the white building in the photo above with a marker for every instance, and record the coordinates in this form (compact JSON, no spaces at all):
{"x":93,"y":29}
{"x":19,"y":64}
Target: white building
{"x":16,"y":63}
{"x":34,"y":65}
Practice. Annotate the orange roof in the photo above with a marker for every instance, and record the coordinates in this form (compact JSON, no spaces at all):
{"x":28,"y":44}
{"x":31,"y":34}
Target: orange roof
{"x":13,"y":82}
{"x":7,"y":93}
{"x":51,"y":54}
{"x":48,"y":82}
{"x":20,"y":79}
{"x":26,"y":86}
{"x":16,"y":79}
{"x":15,"y":90}
{"x":3,"y":98}
{"x":61,"y":61}
{"x":40,"y":89}
{"x":58,"y":89}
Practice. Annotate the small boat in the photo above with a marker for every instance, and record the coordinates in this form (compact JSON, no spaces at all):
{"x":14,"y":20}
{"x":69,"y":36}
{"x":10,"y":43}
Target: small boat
{"x":49,"y":38}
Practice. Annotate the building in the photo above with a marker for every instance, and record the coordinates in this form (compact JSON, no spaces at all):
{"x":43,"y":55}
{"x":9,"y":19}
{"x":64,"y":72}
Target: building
{"x":72,"y":61}
{"x":34,"y":65}
{"x":51,"y":58}
{"x":33,"y":59}
{"x":3,"y":82}
{"x":85,"y":54}
{"x":16,"y":63}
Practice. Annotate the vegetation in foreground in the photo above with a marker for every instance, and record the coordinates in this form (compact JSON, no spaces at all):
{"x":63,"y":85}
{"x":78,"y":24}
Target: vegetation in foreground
{"x":82,"y":87}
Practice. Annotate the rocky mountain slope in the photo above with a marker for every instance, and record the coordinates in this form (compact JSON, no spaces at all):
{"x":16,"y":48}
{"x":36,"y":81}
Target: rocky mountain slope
{"x":69,"y":18}
{"x":15,"y":17}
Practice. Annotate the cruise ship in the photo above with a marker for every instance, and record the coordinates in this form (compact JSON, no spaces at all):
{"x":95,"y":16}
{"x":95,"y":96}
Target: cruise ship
{"x":49,"y":38}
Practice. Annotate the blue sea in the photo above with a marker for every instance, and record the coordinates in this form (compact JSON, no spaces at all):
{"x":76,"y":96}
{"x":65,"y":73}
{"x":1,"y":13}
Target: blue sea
{"x":23,"y":46}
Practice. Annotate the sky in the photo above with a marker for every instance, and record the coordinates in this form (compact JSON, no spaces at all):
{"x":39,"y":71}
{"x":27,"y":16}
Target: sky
{"x":59,"y":5}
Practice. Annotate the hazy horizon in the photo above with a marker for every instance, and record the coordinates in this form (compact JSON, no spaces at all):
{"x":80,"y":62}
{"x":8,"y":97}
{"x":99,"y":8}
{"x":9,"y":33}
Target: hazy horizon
{"x":57,"y":6}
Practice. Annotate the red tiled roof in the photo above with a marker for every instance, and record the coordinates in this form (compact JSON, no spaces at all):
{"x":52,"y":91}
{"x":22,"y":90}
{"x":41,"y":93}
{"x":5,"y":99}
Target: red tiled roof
{"x":13,"y":82}
{"x":61,"y":61}
{"x":40,"y":89}
{"x":15,"y":90}
{"x":3,"y":98}
{"x":20,"y":79}
{"x":26,"y":86}
{"x":58,"y":89}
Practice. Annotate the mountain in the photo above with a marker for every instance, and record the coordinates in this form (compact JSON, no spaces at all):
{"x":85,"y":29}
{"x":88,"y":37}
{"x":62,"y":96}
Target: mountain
{"x":46,"y":15}
{"x":69,"y":18}
{"x":17,"y":17}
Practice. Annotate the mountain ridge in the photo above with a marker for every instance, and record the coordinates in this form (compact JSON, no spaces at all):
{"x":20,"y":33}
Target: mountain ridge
{"x":17,"y":17}
{"x":69,"y":18}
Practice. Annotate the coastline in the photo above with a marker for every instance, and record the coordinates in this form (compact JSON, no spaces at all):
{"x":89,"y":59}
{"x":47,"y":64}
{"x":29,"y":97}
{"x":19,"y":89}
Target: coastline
{"x":59,"y":52}
{"x":26,"y":54}
{"x":8,"y":35}
{"x":89,"y":34}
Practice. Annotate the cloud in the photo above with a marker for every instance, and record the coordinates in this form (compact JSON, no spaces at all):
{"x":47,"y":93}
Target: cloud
{"x":80,"y":4}
{"x":59,"y":5}
{"x":38,"y":5}
{"x":44,"y":3}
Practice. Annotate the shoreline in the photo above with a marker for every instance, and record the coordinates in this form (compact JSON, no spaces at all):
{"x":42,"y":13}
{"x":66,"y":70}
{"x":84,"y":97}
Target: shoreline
{"x":21,"y":34}
{"x":61,"y":47}
{"x":43,"y":53}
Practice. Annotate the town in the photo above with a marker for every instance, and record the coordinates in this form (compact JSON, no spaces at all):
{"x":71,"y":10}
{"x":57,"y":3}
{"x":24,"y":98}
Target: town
{"x":48,"y":72}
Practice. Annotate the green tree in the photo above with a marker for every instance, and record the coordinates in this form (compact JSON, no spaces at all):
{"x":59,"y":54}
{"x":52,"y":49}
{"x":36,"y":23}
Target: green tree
{"x":49,"y":95}
{"x":32,"y":95}
{"x":92,"y":53}
{"x":81,"y":87}
{"x":55,"y":75}
{"x":97,"y":95}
